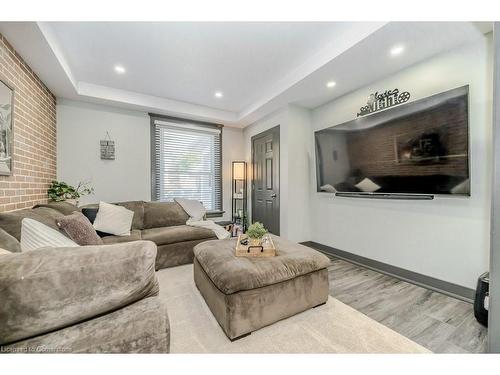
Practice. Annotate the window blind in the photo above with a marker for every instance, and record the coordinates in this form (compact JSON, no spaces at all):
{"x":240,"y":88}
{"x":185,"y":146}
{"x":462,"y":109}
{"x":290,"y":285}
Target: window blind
{"x":187,"y":163}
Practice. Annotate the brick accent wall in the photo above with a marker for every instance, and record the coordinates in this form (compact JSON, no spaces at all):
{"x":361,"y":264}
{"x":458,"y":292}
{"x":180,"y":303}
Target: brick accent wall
{"x":34,"y":129}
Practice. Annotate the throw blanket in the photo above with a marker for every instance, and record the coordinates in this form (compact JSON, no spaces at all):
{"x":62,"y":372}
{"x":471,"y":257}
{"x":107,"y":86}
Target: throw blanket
{"x":219,"y":231}
{"x":196,"y":213}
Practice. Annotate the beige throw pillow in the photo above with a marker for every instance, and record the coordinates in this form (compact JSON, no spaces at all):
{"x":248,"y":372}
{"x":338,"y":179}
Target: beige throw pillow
{"x":113,"y":219}
{"x":193,"y":208}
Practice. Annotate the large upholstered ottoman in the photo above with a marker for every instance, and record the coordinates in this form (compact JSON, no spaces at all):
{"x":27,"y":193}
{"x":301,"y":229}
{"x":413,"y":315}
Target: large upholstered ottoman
{"x":246,"y":294}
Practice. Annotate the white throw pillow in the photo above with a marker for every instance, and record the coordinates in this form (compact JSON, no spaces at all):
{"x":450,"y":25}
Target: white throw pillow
{"x":193,"y":208}
{"x":35,"y":235}
{"x":367,"y":185}
{"x":113,"y":219}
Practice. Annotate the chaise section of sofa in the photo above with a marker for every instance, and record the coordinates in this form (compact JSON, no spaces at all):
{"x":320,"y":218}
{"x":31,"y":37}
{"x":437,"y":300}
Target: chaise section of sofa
{"x":98,"y":299}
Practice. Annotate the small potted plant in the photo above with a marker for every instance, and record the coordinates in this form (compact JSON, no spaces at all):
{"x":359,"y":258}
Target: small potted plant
{"x":255,"y":232}
{"x":60,"y":191}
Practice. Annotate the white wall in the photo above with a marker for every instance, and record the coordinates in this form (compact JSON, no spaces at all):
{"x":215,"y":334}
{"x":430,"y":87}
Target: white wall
{"x":300,"y":174}
{"x":80,"y":127}
{"x":295,"y":170}
{"x":447,"y":238}
{"x":232,"y":150}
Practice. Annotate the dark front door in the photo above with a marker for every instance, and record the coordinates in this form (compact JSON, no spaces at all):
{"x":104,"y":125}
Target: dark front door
{"x":266,"y":179}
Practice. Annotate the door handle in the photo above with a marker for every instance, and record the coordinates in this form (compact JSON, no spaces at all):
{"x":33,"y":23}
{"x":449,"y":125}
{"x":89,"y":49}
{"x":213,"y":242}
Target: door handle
{"x":273,"y":195}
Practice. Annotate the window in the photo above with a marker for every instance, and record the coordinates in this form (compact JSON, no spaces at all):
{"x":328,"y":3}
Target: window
{"x":187,"y":161}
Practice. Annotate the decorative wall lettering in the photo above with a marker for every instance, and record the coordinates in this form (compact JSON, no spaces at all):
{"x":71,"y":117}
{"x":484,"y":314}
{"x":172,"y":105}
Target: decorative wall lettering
{"x":379,"y":101}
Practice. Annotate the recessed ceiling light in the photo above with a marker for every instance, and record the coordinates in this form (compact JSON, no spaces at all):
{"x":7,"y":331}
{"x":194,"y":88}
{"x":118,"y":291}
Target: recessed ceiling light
{"x":119,"y":69}
{"x":397,"y":50}
{"x":331,"y":84}
{"x":218,"y":94}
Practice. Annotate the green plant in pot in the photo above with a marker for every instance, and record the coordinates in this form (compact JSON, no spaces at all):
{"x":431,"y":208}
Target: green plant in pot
{"x":59,"y":191}
{"x":255,"y":232}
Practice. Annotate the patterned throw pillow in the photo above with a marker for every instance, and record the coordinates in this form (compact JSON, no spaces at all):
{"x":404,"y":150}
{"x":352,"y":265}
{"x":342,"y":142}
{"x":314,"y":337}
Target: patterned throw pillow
{"x":35,"y":235}
{"x":79,"y":229}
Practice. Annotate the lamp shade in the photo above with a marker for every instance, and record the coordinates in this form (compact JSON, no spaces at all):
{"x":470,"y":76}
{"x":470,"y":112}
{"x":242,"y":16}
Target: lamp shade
{"x":238,"y":170}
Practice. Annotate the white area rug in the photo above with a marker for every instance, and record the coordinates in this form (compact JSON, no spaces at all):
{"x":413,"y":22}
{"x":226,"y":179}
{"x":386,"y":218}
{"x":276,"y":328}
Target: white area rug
{"x":331,"y":328}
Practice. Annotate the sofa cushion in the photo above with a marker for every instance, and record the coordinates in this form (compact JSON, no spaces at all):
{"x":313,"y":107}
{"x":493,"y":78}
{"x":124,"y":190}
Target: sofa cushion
{"x":232,"y":274}
{"x":11,"y":221}
{"x":63,"y":207}
{"x":48,"y":214}
{"x":138,"y":208}
{"x":8,"y":242}
{"x":163,"y":214}
{"x":135,"y":235}
{"x":52,"y":288}
{"x":179,"y":233}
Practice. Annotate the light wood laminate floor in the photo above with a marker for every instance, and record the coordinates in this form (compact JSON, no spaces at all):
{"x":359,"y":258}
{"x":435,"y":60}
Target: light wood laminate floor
{"x":440,"y":323}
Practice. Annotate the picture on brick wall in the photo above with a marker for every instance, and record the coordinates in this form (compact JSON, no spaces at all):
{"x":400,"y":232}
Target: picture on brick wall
{"x":6,"y":104}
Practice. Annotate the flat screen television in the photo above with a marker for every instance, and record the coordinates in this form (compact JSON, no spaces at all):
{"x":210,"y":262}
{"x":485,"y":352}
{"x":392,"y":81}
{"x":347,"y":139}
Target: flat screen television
{"x":418,"y":148}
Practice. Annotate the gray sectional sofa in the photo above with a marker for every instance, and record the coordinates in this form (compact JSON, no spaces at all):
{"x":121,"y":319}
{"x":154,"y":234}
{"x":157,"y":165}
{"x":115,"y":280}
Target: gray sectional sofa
{"x":163,"y":223}
{"x":93,"y":298}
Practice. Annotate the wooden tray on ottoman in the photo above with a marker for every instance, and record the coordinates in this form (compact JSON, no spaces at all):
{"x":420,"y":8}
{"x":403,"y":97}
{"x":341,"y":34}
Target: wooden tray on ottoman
{"x":266,"y":250}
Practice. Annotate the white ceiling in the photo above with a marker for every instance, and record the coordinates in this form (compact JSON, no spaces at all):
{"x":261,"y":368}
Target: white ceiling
{"x":175,"y":68}
{"x":190,"y":61}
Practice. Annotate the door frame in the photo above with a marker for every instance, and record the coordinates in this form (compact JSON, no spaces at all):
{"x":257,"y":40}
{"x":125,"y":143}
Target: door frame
{"x":276,"y":129}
